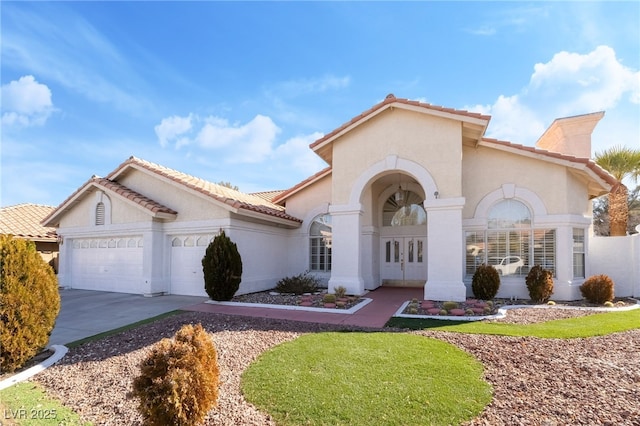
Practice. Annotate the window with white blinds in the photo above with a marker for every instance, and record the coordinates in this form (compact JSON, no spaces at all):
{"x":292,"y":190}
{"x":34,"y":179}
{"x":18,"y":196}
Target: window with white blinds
{"x":510,"y":243}
{"x":578,"y":253}
{"x":320,"y":235}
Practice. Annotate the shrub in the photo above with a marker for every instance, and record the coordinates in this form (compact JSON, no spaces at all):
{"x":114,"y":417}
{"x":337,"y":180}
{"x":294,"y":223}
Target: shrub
{"x":329,"y":298}
{"x":178,"y":382}
{"x":486,"y":282}
{"x":298,"y":284}
{"x":540,"y":284}
{"x":29,"y":302}
{"x":598,"y":289}
{"x":450,"y":305}
{"x":222,"y":268}
{"x":340,"y":291}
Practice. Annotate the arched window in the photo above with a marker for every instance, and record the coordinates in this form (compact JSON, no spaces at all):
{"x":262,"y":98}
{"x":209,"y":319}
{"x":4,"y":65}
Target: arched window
{"x":320,"y":233}
{"x":100,"y":211}
{"x":405,"y":212}
{"x":511,"y":244}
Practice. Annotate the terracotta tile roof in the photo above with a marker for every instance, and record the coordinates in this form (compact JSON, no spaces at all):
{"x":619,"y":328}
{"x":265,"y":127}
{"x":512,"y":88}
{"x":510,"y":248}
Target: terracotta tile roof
{"x":129,"y":194}
{"x":23,"y":220}
{"x":308,"y":181}
{"x":268,"y":195}
{"x":153,"y":207}
{"x":391,"y":99}
{"x":587,"y":162}
{"x":231,"y":197}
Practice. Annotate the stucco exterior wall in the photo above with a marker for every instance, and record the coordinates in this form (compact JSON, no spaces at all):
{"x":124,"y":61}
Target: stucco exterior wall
{"x":121,"y":212}
{"x":188,"y":205}
{"x":432,"y":141}
{"x":619,"y":258}
{"x":484,"y":170}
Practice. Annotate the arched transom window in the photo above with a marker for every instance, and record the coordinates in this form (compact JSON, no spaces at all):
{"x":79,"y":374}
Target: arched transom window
{"x":320,"y":234}
{"x":510,"y":243}
{"x":405,"y":210}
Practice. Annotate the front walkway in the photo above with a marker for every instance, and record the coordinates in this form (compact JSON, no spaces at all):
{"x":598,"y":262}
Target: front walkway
{"x":385,"y":302}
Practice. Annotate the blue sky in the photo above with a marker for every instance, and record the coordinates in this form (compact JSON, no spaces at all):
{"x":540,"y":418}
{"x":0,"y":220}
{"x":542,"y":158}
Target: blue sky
{"x":236,"y":91}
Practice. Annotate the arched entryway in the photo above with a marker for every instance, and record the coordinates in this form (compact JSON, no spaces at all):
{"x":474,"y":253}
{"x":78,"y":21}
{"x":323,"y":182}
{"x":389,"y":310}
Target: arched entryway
{"x":403,"y":235}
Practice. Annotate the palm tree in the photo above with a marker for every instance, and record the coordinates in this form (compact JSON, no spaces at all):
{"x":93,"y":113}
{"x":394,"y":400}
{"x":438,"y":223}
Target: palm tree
{"x":622,"y":163}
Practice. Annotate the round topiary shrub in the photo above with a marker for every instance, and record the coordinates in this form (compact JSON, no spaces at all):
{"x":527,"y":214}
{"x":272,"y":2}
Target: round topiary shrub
{"x":486,"y":282}
{"x":540,"y":284}
{"x":29,"y":302}
{"x":179,"y":379}
{"x":598,"y":289}
{"x":222,"y":268}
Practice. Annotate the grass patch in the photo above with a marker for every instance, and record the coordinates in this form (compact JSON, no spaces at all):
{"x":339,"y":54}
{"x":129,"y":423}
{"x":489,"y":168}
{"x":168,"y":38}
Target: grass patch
{"x":27,"y":404}
{"x":367,"y":378}
{"x":102,"y":335}
{"x":589,"y":326}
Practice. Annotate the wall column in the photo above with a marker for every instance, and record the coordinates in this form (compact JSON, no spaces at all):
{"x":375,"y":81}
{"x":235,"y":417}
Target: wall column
{"x":445,"y":250}
{"x":346,"y":269}
{"x":154,"y":282}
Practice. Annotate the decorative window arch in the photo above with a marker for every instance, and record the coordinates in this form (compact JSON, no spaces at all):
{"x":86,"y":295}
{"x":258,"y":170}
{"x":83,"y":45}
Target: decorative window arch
{"x":510,"y":242}
{"x":101,"y":214}
{"x":320,"y":239}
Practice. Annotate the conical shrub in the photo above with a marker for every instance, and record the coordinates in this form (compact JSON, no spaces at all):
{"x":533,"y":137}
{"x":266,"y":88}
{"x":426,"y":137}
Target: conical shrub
{"x":486,"y":282}
{"x":540,"y":284}
{"x":29,"y":302}
{"x":222,"y":268}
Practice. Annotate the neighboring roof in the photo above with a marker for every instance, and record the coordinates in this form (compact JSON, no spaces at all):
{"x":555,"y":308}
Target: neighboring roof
{"x":300,"y":186}
{"x":585,"y":165}
{"x":230,"y":197}
{"x":23,"y":221}
{"x":474,"y":124}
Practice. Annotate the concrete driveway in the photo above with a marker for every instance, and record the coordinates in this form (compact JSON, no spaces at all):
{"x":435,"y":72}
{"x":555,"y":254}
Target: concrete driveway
{"x":84,"y":313}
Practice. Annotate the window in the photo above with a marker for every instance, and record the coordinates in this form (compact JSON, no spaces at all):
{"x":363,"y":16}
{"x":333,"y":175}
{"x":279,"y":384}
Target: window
{"x":100,"y":213}
{"x":320,"y":234}
{"x":510,"y":243}
{"x":578,"y":253}
{"x":408,"y":213}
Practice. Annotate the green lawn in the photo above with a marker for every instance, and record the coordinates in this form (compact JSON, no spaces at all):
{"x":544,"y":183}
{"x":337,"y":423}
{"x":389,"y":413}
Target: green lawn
{"x":26,"y":404}
{"x":589,"y":326}
{"x":367,"y":378}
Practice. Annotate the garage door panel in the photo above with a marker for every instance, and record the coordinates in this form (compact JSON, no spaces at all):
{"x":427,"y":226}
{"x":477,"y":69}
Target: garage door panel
{"x":96,"y":266}
{"x":187,"y":252}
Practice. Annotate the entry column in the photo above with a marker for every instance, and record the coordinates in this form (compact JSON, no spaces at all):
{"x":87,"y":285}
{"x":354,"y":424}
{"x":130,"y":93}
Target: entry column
{"x":444,"y":250}
{"x":346,"y":269}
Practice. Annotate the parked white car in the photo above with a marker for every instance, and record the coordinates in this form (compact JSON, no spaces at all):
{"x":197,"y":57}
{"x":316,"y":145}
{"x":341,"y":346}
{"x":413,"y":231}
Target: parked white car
{"x":507,"y":265}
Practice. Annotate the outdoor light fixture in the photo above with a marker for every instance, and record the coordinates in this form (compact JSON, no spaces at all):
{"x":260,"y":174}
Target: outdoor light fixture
{"x":435,"y":194}
{"x":399,"y":196}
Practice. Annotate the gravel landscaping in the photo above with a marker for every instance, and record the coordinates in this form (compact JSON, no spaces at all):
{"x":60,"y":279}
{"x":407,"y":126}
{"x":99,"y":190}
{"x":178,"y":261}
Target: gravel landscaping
{"x":594,"y":381}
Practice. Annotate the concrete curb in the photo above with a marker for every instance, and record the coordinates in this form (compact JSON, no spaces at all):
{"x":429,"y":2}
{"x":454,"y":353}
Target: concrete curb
{"x":502,"y":312}
{"x":58,"y":352}
{"x":356,"y":308}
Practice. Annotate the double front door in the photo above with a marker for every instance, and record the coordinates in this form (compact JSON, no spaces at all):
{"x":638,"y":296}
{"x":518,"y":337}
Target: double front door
{"x":404,"y":260}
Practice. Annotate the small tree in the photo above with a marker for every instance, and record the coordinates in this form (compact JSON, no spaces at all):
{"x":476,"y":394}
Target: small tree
{"x":179,"y":379}
{"x":29,"y":302}
{"x":222,"y":268}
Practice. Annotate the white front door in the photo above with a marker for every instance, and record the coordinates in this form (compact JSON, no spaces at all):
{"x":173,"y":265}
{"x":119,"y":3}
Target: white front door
{"x":404,"y":260}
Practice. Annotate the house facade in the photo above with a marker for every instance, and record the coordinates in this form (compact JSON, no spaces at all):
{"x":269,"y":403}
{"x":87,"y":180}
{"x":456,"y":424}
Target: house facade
{"x":414,"y":195}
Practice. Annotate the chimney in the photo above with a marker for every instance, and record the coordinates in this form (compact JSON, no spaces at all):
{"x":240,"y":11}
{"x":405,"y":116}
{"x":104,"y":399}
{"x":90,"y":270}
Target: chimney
{"x":570,"y":135}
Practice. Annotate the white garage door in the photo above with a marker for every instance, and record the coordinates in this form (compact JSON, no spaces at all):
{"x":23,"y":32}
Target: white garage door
{"x":187,"y":252}
{"x":107,"y":264}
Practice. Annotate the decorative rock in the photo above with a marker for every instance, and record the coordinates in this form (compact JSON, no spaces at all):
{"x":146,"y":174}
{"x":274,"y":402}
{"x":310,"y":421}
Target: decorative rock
{"x":274,"y":293}
{"x":478,"y":310}
{"x":428,"y":304}
{"x":433,"y":311}
{"x":330,"y":305}
{"x":480,"y":304}
{"x":306,"y":303}
{"x":457,"y":312}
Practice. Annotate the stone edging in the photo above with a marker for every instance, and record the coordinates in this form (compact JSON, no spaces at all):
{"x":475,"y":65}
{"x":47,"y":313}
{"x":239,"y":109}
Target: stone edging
{"x":502,"y":312}
{"x":365,"y":301}
{"x":58,"y":352}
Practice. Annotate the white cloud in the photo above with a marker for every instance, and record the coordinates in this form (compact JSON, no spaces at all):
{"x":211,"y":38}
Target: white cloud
{"x":172,"y":127}
{"x":569,"y":84}
{"x":26,"y":102}
{"x":295,"y":153}
{"x":304,"y":86}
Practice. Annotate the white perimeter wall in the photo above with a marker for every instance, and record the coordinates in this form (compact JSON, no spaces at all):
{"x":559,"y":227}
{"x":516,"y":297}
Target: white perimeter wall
{"x":619,"y":258}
